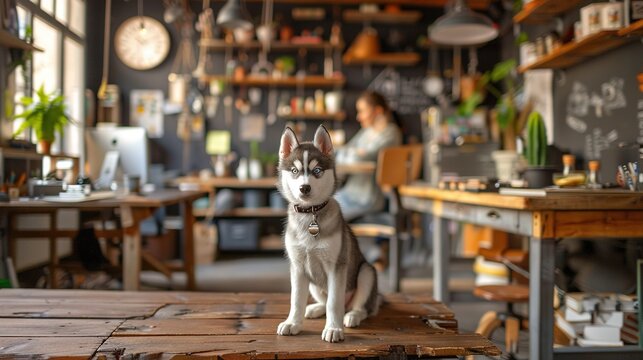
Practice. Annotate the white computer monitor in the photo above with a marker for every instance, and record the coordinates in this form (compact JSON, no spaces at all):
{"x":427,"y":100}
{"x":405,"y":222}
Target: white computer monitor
{"x":131,"y":144}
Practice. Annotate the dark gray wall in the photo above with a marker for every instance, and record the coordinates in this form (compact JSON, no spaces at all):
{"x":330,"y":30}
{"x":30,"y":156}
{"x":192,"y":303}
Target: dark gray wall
{"x":167,"y":150}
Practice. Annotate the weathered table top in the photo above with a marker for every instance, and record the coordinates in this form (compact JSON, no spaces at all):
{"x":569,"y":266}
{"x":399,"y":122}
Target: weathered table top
{"x":103,"y":324}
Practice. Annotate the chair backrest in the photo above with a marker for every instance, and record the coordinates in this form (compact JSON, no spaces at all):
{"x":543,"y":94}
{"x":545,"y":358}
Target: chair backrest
{"x":399,"y":165}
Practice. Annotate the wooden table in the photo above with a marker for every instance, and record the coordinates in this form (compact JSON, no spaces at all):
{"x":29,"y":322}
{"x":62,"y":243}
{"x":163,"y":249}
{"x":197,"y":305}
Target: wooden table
{"x":544,"y":219}
{"x":83,"y":324}
{"x":133,"y":209}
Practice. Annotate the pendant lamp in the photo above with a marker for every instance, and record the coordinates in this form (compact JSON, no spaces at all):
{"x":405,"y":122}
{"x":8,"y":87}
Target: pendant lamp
{"x":233,"y":15}
{"x":462,"y":27}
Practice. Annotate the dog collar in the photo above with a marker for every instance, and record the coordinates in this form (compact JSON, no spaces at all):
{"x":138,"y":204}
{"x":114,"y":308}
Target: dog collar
{"x":310,"y":209}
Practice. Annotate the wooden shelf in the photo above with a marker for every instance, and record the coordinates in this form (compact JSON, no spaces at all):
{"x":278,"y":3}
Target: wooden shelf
{"x":635,"y":29}
{"x":218,"y":44}
{"x":340,"y":116}
{"x":9,"y":40}
{"x":540,"y":11}
{"x":394,"y":59}
{"x":402,"y":17}
{"x":227,"y":182}
{"x":308,"y":81}
{"x":20,"y":154}
{"x":473,"y":4}
{"x":262,"y":212}
{"x":578,"y":51}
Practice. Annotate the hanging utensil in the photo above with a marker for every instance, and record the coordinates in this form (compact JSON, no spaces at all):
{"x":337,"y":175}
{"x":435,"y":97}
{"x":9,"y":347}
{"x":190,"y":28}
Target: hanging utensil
{"x":102,"y":89}
{"x":468,"y":82}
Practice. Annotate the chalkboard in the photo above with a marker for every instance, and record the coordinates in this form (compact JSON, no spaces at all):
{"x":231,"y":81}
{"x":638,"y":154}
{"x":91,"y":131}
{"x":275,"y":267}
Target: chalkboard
{"x":597,"y":104}
{"x":404,"y":94}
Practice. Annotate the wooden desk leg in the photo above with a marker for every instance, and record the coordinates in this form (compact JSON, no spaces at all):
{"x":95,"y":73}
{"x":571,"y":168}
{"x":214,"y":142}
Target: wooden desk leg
{"x":53,"y":251}
{"x":441,"y":256}
{"x":130,"y":221}
{"x":188,"y":244}
{"x":541,"y":297}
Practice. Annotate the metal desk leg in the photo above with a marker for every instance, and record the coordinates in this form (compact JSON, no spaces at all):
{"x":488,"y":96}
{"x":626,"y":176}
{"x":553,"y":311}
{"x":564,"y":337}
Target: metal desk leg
{"x":541,"y":293}
{"x":188,"y":244}
{"x":441,"y":255}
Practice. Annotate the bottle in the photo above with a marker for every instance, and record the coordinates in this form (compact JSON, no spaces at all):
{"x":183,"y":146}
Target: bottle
{"x":569,"y":177}
{"x":568,"y":164}
{"x":592,"y":180}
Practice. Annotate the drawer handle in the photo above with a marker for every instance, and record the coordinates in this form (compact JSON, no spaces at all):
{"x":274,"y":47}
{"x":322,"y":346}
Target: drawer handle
{"x":492,"y":214}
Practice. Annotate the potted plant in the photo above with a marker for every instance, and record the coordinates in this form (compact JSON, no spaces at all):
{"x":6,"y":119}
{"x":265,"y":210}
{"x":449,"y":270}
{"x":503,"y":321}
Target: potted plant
{"x":45,"y":114}
{"x":505,"y":114}
{"x":537,"y":174}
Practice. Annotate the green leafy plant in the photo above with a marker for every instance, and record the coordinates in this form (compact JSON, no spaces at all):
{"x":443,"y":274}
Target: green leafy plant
{"x":45,"y":114}
{"x":505,"y":109}
{"x":536,"y":144}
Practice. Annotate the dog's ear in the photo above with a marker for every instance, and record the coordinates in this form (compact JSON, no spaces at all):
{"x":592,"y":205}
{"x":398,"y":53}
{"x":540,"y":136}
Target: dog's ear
{"x":322,"y":140}
{"x":288,"y":143}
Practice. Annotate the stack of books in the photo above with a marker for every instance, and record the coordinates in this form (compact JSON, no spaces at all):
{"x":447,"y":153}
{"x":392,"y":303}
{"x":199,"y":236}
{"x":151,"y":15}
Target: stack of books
{"x":604,"y":319}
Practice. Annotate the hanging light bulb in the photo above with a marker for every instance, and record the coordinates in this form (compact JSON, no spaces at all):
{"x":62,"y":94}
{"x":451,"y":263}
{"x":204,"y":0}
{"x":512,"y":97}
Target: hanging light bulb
{"x":462,"y":27}
{"x":233,"y":15}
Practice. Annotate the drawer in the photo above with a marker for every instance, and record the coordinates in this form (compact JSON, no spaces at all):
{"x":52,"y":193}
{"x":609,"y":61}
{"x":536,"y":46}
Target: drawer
{"x":501,"y":219}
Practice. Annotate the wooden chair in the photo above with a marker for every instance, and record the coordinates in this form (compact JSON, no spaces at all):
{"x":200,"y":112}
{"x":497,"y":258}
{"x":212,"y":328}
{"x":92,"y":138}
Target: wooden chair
{"x":517,"y":291}
{"x":396,"y":166}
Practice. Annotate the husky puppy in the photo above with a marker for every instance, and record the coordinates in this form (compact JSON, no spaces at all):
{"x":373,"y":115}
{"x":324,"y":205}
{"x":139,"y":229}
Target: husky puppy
{"x":324,"y":256}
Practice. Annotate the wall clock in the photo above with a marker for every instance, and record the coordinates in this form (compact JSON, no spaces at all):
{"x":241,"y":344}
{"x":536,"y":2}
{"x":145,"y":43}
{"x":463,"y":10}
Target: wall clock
{"x":142,"y":42}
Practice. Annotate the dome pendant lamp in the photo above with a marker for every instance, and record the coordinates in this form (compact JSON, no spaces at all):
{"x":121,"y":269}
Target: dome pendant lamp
{"x":233,"y":15}
{"x":462,"y":27}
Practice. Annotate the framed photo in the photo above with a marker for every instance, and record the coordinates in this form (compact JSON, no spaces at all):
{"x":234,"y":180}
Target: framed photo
{"x":146,"y":110}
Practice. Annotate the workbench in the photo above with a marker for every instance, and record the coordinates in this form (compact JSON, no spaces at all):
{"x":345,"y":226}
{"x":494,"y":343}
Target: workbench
{"x":108,"y":324}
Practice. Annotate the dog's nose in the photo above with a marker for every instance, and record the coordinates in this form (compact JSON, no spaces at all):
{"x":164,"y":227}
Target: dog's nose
{"x":305,"y":189}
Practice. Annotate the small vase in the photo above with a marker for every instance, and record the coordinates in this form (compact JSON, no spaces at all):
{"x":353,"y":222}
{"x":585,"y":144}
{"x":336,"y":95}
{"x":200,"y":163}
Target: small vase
{"x":45,"y":147}
{"x":255,"y":170}
{"x":505,"y":164}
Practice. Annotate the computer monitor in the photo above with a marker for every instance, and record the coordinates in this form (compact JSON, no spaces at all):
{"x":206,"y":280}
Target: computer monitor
{"x":131,"y":144}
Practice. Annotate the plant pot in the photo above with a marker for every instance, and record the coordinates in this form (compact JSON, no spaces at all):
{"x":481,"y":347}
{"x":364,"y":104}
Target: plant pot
{"x":45,"y":147}
{"x":506,"y":164}
{"x":539,"y":176}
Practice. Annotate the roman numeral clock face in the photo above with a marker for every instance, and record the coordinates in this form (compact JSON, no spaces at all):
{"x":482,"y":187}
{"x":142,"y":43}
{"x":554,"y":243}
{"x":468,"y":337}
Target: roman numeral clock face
{"x":142,"y":42}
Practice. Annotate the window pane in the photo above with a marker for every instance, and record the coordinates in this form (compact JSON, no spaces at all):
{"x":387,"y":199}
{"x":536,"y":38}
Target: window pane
{"x":46,"y":64}
{"x":74,"y":95}
{"x":47,"y":5}
{"x":77,"y":17}
{"x":61,"y":11}
{"x":17,"y":78}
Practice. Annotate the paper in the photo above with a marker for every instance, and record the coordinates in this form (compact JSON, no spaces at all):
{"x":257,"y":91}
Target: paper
{"x":538,"y":90}
{"x":252,"y":127}
{"x":217,"y":142}
{"x":146,"y":110}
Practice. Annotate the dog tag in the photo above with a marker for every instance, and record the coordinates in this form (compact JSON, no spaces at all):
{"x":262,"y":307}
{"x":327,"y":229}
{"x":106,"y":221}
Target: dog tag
{"x":313,"y":227}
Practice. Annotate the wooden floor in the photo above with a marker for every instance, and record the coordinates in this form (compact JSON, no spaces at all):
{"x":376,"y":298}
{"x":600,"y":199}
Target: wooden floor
{"x":104,"y":324}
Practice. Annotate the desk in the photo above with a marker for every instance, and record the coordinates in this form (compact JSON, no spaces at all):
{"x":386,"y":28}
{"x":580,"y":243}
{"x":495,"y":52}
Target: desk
{"x":133,"y":209}
{"x":609,"y":214}
{"x":84,"y":324}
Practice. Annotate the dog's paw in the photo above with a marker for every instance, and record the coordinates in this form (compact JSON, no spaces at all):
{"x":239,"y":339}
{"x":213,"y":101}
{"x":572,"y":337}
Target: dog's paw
{"x":333,"y":334}
{"x":288,"y":328}
{"x":354,"y":317}
{"x":314,"y":311}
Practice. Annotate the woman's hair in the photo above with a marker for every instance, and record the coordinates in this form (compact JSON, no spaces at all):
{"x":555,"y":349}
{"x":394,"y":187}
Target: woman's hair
{"x":374,"y":99}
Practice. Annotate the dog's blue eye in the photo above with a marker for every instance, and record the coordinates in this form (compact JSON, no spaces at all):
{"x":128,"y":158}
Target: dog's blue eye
{"x":294,"y":171}
{"x":317,"y":171}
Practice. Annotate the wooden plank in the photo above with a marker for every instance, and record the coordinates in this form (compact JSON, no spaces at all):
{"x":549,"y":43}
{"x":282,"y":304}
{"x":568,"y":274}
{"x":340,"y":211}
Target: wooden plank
{"x":614,"y":224}
{"x":635,"y":29}
{"x":307,"y":81}
{"x":198,"y":327}
{"x":66,"y":308}
{"x":339,"y":116}
{"x":223,"y":311}
{"x":306,"y":345}
{"x":488,"y":199}
{"x":218,"y":44}
{"x":541,"y":11}
{"x":473,"y":4}
{"x":401,"y":17}
{"x":69,"y":348}
{"x":58,"y":327}
{"x":397,"y":59}
{"x":577,"y":51}
{"x":11,"y":41}
{"x":144,"y":297}
{"x":228,"y":182}
{"x":543,"y":224}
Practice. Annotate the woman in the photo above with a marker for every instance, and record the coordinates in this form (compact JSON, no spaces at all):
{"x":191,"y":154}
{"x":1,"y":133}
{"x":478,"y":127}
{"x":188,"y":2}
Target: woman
{"x":361,"y":195}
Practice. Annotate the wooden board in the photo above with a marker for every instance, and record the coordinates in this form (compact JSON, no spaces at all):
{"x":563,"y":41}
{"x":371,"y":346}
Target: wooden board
{"x":218,"y":44}
{"x":339,"y":116}
{"x":11,"y":41}
{"x":307,"y":81}
{"x":541,"y":11}
{"x":401,"y":17}
{"x":240,"y":326}
{"x":394,"y":59}
{"x":635,"y":29}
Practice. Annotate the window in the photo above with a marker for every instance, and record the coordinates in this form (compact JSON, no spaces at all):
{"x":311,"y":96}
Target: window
{"x":58,"y":28}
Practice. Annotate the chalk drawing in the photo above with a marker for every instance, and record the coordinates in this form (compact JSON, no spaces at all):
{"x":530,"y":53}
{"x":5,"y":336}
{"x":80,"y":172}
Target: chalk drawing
{"x":578,"y":100}
{"x":404,"y":95}
{"x":596,"y":142}
{"x":576,"y":124}
{"x":613,"y":95}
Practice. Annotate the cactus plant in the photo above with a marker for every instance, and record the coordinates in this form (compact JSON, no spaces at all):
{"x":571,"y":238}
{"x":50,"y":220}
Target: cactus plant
{"x":536,"y":147}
